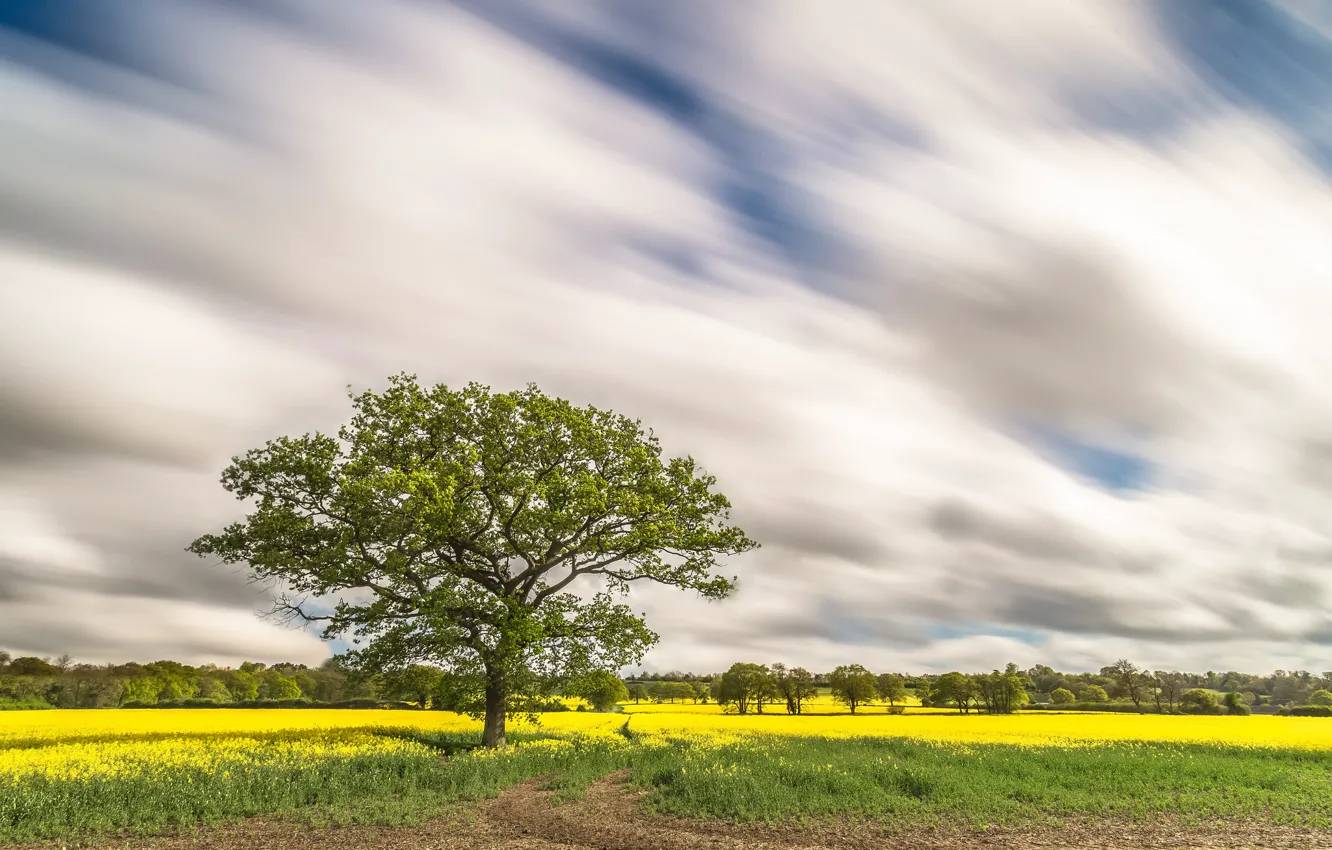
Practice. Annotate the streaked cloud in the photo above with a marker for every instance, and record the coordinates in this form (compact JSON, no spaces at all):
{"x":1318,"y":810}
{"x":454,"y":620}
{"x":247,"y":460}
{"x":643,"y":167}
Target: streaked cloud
{"x":1005,"y":331}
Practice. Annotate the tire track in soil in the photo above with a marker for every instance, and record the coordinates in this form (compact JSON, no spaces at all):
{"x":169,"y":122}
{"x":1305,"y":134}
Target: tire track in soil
{"x":609,"y":817}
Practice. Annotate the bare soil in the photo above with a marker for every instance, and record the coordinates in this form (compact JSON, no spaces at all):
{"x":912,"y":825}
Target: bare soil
{"x":608,"y":817}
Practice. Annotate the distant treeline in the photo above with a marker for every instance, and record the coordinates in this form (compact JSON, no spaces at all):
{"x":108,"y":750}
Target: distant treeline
{"x":1122,"y":686}
{"x":30,"y":682}
{"x":61,"y":683}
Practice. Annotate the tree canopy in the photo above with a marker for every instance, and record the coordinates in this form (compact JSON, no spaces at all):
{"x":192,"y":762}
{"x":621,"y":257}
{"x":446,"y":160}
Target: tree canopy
{"x":956,"y":688}
{"x":795,"y":685}
{"x":601,"y":688}
{"x":852,"y":685}
{"x":742,"y":686}
{"x":891,"y":688}
{"x":448,"y":527}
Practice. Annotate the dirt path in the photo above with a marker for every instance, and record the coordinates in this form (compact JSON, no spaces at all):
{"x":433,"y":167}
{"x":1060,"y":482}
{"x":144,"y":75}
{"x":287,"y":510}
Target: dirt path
{"x":608,"y":818}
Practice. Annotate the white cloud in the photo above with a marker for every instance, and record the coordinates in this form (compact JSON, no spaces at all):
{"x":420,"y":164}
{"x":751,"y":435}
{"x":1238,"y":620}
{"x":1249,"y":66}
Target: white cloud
{"x":104,"y":630}
{"x":438,"y":196}
{"x":33,"y":543}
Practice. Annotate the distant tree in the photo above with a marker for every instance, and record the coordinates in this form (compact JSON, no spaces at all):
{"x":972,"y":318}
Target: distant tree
{"x":1094,"y":693}
{"x":795,"y":685}
{"x":1044,"y":678}
{"x":954,"y":688}
{"x":1062,"y":696}
{"x":212,"y":689}
{"x":602,"y":689}
{"x":677,"y":691}
{"x":924,"y":691}
{"x":1290,"y":688}
{"x":1234,"y":703}
{"x":852,"y":685}
{"x":1320,"y":697}
{"x":637,"y":692}
{"x":242,"y":684}
{"x":141,"y":689}
{"x":765,"y":691}
{"x":279,"y":687}
{"x":1169,"y":687}
{"x":700,"y":691}
{"x":662,"y":691}
{"x":1131,"y":680}
{"x":458,"y":518}
{"x":778,"y":674}
{"x":1198,"y":701}
{"x":28,"y":665}
{"x":716,"y":688}
{"x":414,"y":683}
{"x":1002,"y":693}
{"x":737,"y":686}
{"x":173,"y":682}
{"x":891,"y":688}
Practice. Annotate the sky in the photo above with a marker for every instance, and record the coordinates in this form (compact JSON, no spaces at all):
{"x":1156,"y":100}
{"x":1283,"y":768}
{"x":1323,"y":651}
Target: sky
{"x":1007,"y":328}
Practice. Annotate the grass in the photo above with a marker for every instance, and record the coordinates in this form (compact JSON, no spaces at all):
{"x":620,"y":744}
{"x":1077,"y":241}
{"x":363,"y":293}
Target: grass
{"x":917,"y":783}
{"x":67,"y":777}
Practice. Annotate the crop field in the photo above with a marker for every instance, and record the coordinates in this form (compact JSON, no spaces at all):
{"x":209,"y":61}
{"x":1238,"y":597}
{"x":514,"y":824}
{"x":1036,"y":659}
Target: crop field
{"x":70,"y":774}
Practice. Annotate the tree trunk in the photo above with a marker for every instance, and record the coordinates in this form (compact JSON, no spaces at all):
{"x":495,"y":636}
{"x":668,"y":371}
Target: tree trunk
{"x":493,"y":733}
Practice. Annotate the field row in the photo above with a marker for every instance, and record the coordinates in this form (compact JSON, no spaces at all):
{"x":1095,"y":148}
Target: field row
{"x":22,"y":729}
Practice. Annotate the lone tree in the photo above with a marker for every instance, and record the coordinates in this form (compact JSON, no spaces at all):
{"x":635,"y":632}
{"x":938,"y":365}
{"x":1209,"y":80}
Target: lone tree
{"x":852,"y":685}
{"x":742,"y":686}
{"x":1002,"y":693}
{"x":955,"y":688}
{"x":1131,"y":680}
{"x":795,"y":685}
{"x":446,"y":527}
{"x":891,"y":688}
{"x":601,"y":688}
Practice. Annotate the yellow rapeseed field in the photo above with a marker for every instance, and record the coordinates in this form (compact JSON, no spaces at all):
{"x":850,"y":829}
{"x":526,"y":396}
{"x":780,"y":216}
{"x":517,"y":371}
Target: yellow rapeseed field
{"x":88,"y":744}
{"x":66,"y":771}
{"x":131,"y":758}
{"x":106,"y":743}
{"x":1034,"y":729}
{"x":50,"y":726}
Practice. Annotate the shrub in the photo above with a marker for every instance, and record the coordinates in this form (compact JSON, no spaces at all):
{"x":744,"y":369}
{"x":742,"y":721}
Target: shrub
{"x":1235,"y":704}
{"x":1094,"y":693}
{"x":1320,"y":697}
{"x":1111,"y":707}
{"x":1310,"y":711}
{"x":28,"y":704}
{"x":1061,"y":696}
{"x":603,"y":689}
{"x":1198,"y":701}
